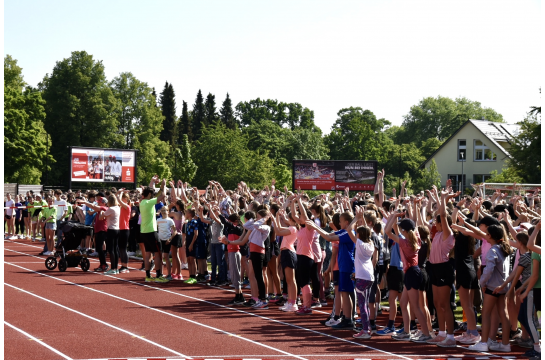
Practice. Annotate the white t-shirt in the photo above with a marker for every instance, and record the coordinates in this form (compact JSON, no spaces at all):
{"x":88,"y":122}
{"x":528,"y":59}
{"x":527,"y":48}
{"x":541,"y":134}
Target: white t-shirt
{"x":113,"y":217}
{"x":163,"y":228}
{"x":362,"y":260}
{"x":60,"y":209}
{"x":10,"y":203}
{"x":116,"y":168}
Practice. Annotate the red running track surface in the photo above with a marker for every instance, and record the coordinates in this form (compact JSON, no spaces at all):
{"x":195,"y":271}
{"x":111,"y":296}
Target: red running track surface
{"x":92,"y":316}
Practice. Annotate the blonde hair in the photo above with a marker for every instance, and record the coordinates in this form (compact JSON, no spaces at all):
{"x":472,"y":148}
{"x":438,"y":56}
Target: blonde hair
{"x":112,"y":201}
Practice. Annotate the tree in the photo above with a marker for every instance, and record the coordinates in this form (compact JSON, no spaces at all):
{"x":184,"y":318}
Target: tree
{"x":525,"y":151}
{"x":185,"y":169}
{"x":226,"y":113}
{"x":267,"y":136}
{"x":291,"y":115}
{"x":508,"y":175}
{"x":428,"y":177}
{"x":13,"y":74}
{"x":198,"y":116}
{"x":168,"y":107}
{"x":140,"y":123}
{"x":306,"y":143}
{"x":430,"y":146}
{"x":210,"y":114}
{"x":223,"y":155}
{"x":183,"y":127}
{"x":80,"y":109}
{"x":440,"y":117}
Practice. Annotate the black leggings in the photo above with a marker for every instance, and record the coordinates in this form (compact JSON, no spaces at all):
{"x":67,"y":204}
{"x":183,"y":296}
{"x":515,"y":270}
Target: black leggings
{"x":315,"y":278}
{"x":112,"y":238}
{"x":303,"y":271}
{"x":134,"y":234}
{"x":20,"y":225}
{"x":123,"y":240}
{"x":100,"y":237}
{"x":257,"y":265}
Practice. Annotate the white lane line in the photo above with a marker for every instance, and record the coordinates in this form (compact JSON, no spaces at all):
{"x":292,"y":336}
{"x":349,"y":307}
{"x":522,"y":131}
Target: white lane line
{"x":92,"y":318}
{"x":154,"y":309}
{"x":241,"y":311}
{"x":38,"y":341}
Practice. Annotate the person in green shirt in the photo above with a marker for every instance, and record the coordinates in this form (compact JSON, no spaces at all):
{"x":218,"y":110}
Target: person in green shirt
{"x":49,"y":216}
{"x":35,"y":214}
{"x":148,"y":229}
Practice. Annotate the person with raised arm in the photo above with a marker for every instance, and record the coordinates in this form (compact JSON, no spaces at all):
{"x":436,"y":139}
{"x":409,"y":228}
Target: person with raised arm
{"x":124,"y":201}
{"x":100,"y":228}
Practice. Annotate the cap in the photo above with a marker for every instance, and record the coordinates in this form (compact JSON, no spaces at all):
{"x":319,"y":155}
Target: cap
{"x":488,"y":220}
{"x":407,"y":224}
{"x":101,"y":194}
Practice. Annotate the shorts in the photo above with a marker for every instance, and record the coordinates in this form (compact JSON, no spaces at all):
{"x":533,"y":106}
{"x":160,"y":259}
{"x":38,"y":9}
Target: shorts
{"x":51,"y":225}
{"x":192,"y":253}
{"x":151,"y":242}
{"x":425,"y":280}
{"x":441,"y":274}
{"x":275,"y":249}
{"x":413,"y":278}
{"x":258,"y":258}
{"x":244,"y":250}
{"x":165,"y":247}
{"x":201,"y":250}
{"x":466,"y":279}
{"x":490,"y":292}
{"x":90,"y":231}
{"x":395,"y":279}
{"x":288,"y":259}
{"x":384,"y":266}
{"x":25,"y":214}
{"x":345,"y":282}
{"x":8,"y":217}
{"x":335,"y":277}
{"x":34,"y":219}
{"x":177,"y":241}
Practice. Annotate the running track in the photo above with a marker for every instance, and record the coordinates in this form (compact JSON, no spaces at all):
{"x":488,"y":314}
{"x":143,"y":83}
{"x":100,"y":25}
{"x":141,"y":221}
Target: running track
{"x":75,"y":315}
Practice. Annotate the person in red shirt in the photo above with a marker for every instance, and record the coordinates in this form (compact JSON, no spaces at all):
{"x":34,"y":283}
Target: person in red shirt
{"x":101,"y":226}
{"x":124,"y":230}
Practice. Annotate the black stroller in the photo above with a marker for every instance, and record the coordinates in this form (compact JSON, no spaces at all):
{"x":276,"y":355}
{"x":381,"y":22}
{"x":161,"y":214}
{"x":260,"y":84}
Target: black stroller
{"x":67,"y":249}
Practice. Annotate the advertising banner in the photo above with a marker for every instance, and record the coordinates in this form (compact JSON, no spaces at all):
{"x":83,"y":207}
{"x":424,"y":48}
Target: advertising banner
{"x":102,"y":165}
{"x":334,"y":175}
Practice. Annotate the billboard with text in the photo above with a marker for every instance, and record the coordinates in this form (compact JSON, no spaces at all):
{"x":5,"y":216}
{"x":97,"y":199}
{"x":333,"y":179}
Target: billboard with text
{"x":102,"y":165}
{"x":333,"y":175}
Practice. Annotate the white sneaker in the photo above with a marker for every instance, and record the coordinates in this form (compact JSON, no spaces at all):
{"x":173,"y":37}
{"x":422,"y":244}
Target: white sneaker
{"x":185,"y":266}
{"x":332,"y":322}
{"x":131,"y":253}
{"x":291,"y":308}
{"x":490,"y":342}
{"x":480,"y":347}
{"x":47,"y":253}
{"x":500,"y":347}
{"x":13,"y":238}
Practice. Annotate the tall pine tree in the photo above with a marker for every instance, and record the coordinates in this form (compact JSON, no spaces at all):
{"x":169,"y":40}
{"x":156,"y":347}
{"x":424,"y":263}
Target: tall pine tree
{"x":184,"y":125}
{"x":226,"y":113}
{"x":210,"y":109}
{"x":168,"y":107}
{"x":198,"y":116}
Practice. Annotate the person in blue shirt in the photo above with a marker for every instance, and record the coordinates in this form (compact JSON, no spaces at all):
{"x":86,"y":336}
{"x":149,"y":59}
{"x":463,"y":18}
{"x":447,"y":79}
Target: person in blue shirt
{"x":346,"y":266}
{"x":89,"y":220}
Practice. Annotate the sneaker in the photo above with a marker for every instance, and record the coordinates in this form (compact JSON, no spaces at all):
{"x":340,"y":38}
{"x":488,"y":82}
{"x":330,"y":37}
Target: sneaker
{"x":239,"y":301}
{"x":436,"y":340}
{"x":386,"y":331}
{"x":169,"y":277}
{"x":421,"y":338}
{"x":373,"y":329}
{"x":470,"y":339}
{"x":490,"y":342}
{"x":524,"y":343}
{"x":315,"y":304}
{"x":515,"y":334}
{"x":323,"y":302}
{"x":249,"y":303}
{"x":131,"y":253}
{"x":101,"y":268}
{"x":93,"y":254}
{"x":401,"y":336}
{"x":331,"y":322}
{"x":260,"y":305}
{"x":47,"y":253}
{"x":344,"y":324}
{"x":233,"y":302}
{"x":161,"y":279}
{"x":500,"y":347}
{"x":362,"y":335}
{"x":304,"y":311}
{"x":357,"y":327}
{"x":150,"y":279}
{"x":247,"y":286}
{"x":532,"y":353}
{"x":480,"y":347}
{"x":190,"y":281}
{"x":291,"y":308}
{"x":111,"y":272}
{"x":447,"y":343}
{"x":123,"y":270}
{"x":462,"y":337}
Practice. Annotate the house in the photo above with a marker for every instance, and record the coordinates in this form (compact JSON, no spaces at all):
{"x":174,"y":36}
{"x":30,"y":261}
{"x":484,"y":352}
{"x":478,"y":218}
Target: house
{"x":477,"y":148}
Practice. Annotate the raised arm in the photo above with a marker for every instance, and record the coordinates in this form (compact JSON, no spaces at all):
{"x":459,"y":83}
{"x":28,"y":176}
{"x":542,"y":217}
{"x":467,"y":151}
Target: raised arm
{"x":532,"y":241}
{"x":121,"y":203}
{"x":325,"y":234}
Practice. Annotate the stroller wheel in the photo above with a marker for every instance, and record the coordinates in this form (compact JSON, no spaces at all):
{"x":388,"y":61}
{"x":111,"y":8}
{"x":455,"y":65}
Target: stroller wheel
{"x":85,"y":264}
{"x":50,"y":263}
{"x":62,"y":265}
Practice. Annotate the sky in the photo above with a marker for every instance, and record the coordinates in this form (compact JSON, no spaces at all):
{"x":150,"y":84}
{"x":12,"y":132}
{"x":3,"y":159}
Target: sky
{"x":384,"y":55}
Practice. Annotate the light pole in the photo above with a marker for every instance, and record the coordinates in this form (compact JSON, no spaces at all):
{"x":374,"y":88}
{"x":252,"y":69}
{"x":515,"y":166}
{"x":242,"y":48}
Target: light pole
{"x":463,"y":185}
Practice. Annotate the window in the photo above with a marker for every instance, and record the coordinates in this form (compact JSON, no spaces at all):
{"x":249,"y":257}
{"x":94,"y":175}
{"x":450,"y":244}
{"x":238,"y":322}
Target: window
{"x":458,"y":182}
{"x":462,"y":150}
{"x":483,"y":152}
{"x":478,"y":179}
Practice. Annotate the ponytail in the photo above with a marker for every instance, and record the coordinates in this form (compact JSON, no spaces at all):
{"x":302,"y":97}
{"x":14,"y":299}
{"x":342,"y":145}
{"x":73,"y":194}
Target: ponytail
{"x":413,"y":240}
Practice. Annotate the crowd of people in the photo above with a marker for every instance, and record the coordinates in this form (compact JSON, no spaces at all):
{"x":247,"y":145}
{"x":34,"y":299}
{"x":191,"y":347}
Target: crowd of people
{"x":297,"y":253}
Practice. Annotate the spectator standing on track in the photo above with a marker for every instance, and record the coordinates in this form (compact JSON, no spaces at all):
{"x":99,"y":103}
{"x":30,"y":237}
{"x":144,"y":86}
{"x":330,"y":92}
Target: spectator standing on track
{"x":9,"y":217}
{"x":167,"y":231}
{"x":124,"y":202}
{"x":19,"y":220}
{"x":90,"y":214}
{"x":217,"y":251}
{"x":100,"y":229}
{"x":49,"y":216}
{"x":234,"y":232}
{"x":62,"y":210}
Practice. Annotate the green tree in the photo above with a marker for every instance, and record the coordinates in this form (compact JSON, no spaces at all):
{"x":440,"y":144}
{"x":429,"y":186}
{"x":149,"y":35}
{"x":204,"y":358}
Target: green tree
{"x":227,"y":115}
{"x":168,"y":107}
{"x":223,"y":155}
{"x":13,"y":74}
{"x":183,"y":126}
{"x":140,"y":123}
{"x":525,"y":150}
{"x":267,"y":136}
{"x":428,"y":177}
{"x":306,"y":143}
{"x":198,"y":116}
{"x":210,"y":114}
{"x":282,"y":174}
{"x":440,"y":117}
{"x":185,"y":169}
{"x":80,"y":109}
{"x":430,"y":146}
{"x":508,"y":175}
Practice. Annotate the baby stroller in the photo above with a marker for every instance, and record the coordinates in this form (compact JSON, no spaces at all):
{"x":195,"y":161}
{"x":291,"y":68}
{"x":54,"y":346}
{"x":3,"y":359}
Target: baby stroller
{"x":67,"y":249}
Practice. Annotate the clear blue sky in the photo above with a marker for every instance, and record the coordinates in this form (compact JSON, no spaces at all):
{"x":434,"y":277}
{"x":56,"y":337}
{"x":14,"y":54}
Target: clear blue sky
{"x":381,"y":55}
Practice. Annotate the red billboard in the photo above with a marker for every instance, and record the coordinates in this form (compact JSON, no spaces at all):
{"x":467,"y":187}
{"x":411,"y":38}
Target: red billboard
{"x":334,"y":175}
{"x":103,"y":165}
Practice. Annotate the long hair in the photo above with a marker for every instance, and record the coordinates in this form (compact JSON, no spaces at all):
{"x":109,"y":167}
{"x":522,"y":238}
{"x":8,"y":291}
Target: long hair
{"x":364,"y":234}
{"x":424,"y":233}
{"x":297,"y":226}
{"x":321,"y":214}
{"x":497,"y":233}
{"x":336,"y":220}
{"x":112,"y":201}
{"x":412,"y":239}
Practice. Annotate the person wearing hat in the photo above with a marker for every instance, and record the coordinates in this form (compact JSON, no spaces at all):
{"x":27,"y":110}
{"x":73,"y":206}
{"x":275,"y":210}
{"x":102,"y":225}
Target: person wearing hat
{"x":409,"y":243}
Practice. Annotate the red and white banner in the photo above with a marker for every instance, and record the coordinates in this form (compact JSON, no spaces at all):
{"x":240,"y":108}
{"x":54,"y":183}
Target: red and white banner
{"x":103,"y":165}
